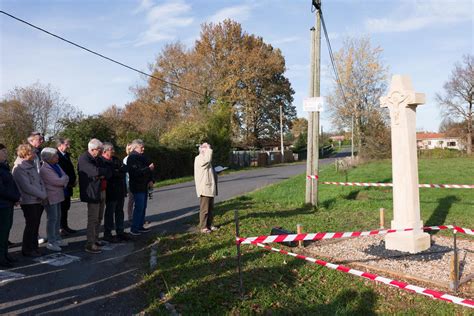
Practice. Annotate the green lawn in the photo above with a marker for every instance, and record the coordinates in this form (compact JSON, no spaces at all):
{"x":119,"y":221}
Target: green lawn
{"x":198,"y":272}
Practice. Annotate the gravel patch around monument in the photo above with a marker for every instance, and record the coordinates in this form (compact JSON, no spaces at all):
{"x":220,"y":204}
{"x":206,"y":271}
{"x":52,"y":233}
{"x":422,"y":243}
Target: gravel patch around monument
{"x":432,"y":265}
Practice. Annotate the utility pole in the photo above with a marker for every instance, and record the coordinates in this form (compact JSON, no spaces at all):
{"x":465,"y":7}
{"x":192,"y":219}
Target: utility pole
{"x":281,"y":135}
{"x":312,"y":163}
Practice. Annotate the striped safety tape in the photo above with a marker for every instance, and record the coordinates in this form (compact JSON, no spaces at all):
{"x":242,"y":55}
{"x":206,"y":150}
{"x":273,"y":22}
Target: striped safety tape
{"x":334,"y":235}
{"x":315,"y":177}
{"x":377,"y":184}
{"x":376,"y":278}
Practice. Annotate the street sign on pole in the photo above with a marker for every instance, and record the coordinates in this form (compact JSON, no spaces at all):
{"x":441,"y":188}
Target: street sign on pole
{"x":314,"y":104}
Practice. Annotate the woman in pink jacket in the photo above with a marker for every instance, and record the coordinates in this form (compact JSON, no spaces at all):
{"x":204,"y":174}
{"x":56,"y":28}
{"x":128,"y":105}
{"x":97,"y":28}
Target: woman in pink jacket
{"x":55,"y":181}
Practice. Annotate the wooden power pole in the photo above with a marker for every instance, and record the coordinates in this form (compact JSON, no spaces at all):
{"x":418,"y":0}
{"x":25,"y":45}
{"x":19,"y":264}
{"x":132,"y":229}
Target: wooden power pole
{"x":312,"y":163}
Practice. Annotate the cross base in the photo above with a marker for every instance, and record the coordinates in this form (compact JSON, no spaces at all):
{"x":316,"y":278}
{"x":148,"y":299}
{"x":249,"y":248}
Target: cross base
{"x":411,"y":241}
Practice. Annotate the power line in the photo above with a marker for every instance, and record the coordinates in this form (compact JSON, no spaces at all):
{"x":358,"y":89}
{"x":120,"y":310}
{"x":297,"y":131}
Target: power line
{"x":317,"y":7}
{"x":100,"y":55}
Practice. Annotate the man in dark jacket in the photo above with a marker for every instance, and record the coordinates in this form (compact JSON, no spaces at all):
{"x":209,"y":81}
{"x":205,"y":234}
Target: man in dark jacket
{"x":66,"y":164}
{"x":9,"y":196}
{"x":92,"y":181}
{"x":140,"y":171}
{"x":115,"y":196}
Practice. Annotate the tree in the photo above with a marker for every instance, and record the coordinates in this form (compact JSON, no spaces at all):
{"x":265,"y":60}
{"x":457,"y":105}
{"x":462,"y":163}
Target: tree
{"x":457,"y":100}
{"x":15,"y":122}
{"x":363,"y":79}
{"x":299,"y":126}
{"x":225,"y":64}
{"x":46,"y":106}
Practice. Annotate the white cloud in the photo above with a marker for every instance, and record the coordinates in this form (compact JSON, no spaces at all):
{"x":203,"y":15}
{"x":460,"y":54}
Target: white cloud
{"x":143,"y":6}
{"x":416,"y":15}
{"x":286,"y":40}
{"x":237,"y":13}
{"x":164,"y":20}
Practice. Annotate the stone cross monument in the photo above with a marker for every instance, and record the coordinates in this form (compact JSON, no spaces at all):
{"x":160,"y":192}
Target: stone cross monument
{"x":402,"y":101}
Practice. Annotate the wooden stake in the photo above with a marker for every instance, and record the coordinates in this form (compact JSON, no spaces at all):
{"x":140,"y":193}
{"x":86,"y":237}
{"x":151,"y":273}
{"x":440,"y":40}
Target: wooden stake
{"x":382,"y":218}
{"x":299,"y":229}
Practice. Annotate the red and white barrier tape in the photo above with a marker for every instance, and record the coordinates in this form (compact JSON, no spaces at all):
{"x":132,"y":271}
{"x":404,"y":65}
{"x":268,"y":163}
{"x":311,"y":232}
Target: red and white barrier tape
{"x":314,"y":177}
{"x":334,"y":235}
{"x":401,"y":285}
{"x":377,"y":184}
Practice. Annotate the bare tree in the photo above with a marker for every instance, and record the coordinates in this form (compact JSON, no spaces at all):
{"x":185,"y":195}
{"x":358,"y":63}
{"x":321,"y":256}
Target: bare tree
{"x":46,"y":106}
{"x":363,"y":79}
{"x":15,"y":124}
{"x":456,"y":102}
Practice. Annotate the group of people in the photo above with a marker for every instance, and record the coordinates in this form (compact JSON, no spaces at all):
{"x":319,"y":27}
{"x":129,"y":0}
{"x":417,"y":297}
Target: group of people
{"x":44,"y":179}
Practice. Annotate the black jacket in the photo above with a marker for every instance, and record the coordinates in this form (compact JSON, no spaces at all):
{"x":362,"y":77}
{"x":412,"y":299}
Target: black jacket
{"x":9,"y":193}
{"x":90,"y":171}
{"x":139,"y":173}
{"x":116,"y":186}
{"x":66,"y":164}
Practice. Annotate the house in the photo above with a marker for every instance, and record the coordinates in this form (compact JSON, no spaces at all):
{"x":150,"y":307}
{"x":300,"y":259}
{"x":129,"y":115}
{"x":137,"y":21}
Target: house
{"x":427,"y":140}
{"x":337,"y":138}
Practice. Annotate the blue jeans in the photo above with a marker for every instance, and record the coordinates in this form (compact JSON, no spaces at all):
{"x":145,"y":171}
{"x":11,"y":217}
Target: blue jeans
{"x":53,"y":212}
{"x":141,"y":200}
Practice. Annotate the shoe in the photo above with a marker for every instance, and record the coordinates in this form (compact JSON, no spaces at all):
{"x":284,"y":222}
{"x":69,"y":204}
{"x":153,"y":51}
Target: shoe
{"x":144,"y":230}
{"x":69,"y":230}
{"x":5,"y":263}
{"x":53,"y":247}
{"x":63,"y":233}
{"x":124,"y":237}
{"x":206,"y":231}
{"x":213,"y":228}
{"x":93,"y":249}
{"x":110,"y":239}
{"x":33,"y":254}
{"x":134,"y":233}
{"x":42,"y":240}
{"x":101,"y":243}
{"x":62,"y":243}
{"x":10,"y":258}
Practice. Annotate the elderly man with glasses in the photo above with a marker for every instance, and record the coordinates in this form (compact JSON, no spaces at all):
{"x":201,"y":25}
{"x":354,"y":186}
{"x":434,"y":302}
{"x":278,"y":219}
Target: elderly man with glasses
{"x":92,"y":184}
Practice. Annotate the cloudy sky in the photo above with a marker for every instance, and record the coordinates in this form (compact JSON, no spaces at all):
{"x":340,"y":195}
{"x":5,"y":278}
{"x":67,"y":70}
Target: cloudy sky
{"x":422,"y":39}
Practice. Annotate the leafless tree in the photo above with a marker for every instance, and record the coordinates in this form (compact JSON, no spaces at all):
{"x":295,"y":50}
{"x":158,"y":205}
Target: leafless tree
{"x":456,"y":101}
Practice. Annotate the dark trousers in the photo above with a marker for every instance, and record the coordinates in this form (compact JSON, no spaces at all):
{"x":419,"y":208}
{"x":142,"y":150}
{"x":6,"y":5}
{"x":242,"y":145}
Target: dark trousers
{"x":141,"y":201}
{"x":113,"y":210}
{"x":206,"y":206}
{"x":6,"y":221}
{"x":65,"y":206}
{"x":32,"y":213}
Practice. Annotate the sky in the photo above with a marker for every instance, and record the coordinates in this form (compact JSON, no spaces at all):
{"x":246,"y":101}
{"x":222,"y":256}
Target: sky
{"x":422,"y":39}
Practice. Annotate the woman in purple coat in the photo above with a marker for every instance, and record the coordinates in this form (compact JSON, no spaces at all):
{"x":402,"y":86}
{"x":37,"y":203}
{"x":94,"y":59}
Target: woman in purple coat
{"x":55,"y":180}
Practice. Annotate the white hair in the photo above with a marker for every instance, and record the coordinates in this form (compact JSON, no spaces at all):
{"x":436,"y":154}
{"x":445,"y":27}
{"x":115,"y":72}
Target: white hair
{"x":136,"y":143}
{"x":94,"y":143}
{"x":108,"y":146}
{"x":48,"y":153}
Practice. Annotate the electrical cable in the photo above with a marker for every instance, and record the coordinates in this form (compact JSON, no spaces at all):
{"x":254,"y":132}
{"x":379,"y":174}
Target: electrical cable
{"x":101,"y":55}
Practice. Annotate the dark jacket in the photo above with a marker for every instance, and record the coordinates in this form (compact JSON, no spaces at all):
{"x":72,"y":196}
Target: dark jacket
{"x":116,"y":186}
{"x":9,"y":193}
{"x":139,"y":172}
{"x":90,"y":171}
{"x":66,"y":164}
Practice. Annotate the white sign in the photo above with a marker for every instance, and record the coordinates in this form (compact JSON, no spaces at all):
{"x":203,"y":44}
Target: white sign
{"x":313,"y":104}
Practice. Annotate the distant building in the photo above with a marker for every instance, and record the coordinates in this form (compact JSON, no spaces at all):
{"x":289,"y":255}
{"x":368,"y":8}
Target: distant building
{"x":427,"y":140}
{"x":337,"y":138}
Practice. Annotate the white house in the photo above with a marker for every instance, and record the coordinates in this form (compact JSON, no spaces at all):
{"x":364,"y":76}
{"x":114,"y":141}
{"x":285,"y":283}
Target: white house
{"x":427,"y":140}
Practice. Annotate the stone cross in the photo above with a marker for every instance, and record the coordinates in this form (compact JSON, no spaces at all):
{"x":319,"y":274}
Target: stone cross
{"x":402,"y":101}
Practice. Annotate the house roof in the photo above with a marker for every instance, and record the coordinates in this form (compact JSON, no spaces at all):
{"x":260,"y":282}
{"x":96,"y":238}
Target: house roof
{"x":427,"y":135}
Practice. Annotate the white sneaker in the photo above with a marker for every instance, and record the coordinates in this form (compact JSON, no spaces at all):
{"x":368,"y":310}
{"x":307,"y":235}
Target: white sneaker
{"x":62,"y":243}
{"x":53,"y":247}
{"x":42,"y":240}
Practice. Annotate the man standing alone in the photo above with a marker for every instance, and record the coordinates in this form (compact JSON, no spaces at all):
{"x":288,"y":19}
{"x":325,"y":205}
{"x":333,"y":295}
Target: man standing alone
{"x":206,"y":187}
{"x":66,"y":164}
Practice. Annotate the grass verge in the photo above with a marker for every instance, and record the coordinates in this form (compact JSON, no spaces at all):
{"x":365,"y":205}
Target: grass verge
{"x":198,"y":273}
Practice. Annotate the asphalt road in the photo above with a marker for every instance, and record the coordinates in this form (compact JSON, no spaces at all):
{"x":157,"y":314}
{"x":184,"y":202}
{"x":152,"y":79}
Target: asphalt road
{"x":106,"y":284}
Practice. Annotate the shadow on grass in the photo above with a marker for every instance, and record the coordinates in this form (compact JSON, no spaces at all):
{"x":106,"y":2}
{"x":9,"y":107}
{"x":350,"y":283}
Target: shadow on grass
{"x":267,"y":290}
{"x":440,"y":213}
